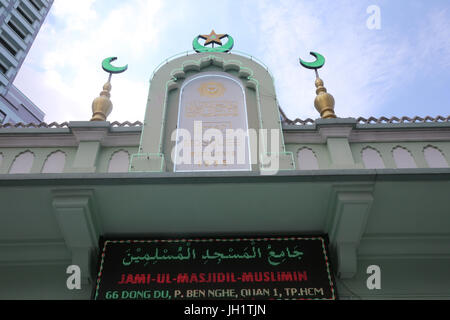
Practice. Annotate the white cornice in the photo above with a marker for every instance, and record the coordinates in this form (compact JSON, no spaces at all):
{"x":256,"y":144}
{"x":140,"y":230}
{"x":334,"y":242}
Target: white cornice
{"x":367,"y":135}
{"x":38,"y":140}
{"x":123,"y":137}
{"x":34,"y":139}
{"x":441,"y":134}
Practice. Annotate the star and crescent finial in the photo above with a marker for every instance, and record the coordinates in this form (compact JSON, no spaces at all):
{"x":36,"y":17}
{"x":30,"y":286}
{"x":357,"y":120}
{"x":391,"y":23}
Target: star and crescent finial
{"x":324,"y":102}
{"x":108,"y":67}
{"x":213,"y":38}
{"x":317,"y":64}
{"x":102,"y":105}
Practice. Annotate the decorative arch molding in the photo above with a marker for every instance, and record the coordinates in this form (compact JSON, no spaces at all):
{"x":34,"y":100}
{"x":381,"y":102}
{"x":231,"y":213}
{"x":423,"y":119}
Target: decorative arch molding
{"x":119,"y":161}
{"x":55,"y":162}
{"x":244,"y":73}
{"x":156,"y":133}
{"x":403,"y":158}
{"x":22,"y":163}
{"x":372,"y":158}
{"x":434,"y":157}
{"x":117,"y":151}
{"x":310,"y":161}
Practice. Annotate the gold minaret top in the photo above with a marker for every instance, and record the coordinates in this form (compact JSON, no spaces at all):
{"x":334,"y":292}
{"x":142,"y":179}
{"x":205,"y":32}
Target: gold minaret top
{"x":324,"y":102}
{"x":102,"y":105}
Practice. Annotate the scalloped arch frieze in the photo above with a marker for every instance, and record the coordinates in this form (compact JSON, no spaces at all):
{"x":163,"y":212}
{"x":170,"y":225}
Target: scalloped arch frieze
{"x":197,"y":66}
{"x":22,"y":163}
{"x":372,"y":158}
{"x":403,"y":157}
{"x":54,"y":162}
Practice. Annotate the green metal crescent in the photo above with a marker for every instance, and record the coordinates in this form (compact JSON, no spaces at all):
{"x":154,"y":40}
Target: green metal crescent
{"x":106,"y":65}
{"x":320,"y":61}
{"x":225,"y":48}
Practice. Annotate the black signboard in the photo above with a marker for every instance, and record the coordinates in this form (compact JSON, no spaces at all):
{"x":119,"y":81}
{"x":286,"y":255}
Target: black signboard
{"x":239,"y":268}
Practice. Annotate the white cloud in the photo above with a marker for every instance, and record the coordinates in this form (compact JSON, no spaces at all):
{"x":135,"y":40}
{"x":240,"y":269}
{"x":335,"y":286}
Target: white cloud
{"x":361,"y":68}
{"x":75,"y":16}
{"x":434,"y":40}
{"x":70,"y":52}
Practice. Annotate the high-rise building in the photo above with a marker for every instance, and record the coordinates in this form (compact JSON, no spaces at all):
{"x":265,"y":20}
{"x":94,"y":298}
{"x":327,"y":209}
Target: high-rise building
{"x":20,"y":21}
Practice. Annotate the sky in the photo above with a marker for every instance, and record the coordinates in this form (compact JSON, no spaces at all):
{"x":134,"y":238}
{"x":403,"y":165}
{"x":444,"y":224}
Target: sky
{"x":383,"y":57}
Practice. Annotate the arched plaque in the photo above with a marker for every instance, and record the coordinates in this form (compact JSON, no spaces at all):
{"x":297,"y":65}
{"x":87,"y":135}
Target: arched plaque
{"x":212,"y":130}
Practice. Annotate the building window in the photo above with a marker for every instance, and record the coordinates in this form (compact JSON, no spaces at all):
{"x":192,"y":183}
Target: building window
{"x":22,"y":163}
{"x":3,"y":69}
{"x":8,"y":47}
{"x":19,"y":25}
{"x":403,"y":158}
{"x":54,"y":163}
{"x":434,"y":157}
{"x":372,"y":159}
{"x":34,"y":4}
{"x":24,"y":15}
{"x":307,"y":160}
{"x":2,"y":116}
{"x":16,"y":30}
{"x":119,"y":162}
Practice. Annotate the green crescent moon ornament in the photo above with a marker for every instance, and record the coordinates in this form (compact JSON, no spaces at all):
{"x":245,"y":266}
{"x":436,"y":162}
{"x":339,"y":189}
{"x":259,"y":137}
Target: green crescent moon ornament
{"x":224,"y":48}
{"x":106,"y":65}
{"x":320,"y":61}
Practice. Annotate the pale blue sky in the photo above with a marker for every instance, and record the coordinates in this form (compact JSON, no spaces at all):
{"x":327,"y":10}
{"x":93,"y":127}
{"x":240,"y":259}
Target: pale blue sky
{"x":402,"y":69}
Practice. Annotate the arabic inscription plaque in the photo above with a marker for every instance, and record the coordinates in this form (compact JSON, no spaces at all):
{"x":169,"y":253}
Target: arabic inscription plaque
{"x":257,"y":268}
{"x":213,"y":101}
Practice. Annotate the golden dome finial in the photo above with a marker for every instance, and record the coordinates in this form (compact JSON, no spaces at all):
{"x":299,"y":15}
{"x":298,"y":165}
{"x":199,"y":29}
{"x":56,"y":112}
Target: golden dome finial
{"x":102,"y":105}
{"x":324,"y":102}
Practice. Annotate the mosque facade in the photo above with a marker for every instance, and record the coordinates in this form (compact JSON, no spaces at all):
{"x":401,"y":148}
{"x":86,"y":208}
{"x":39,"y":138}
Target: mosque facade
{"x":326,"y":208}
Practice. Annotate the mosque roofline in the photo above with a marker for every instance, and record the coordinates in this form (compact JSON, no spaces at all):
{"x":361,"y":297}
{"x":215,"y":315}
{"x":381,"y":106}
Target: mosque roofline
{"x":288,"y":124}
